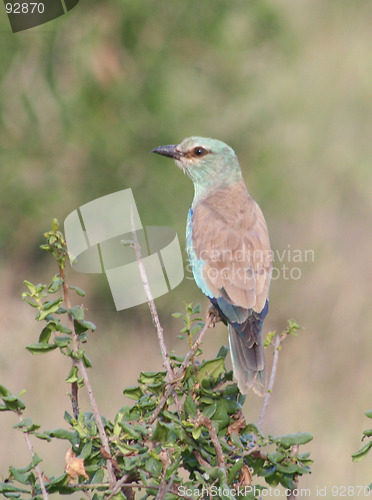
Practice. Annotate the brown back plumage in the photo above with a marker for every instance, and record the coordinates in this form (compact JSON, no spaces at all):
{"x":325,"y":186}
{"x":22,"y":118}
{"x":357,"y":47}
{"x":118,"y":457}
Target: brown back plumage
{"x":229,"y":234}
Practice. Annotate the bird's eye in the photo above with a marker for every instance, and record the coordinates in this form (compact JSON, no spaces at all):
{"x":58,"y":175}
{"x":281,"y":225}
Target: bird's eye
{"x":198,"y":151}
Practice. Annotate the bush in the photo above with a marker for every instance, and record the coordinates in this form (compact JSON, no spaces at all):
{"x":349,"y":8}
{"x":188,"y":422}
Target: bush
{"x":184,"y":435}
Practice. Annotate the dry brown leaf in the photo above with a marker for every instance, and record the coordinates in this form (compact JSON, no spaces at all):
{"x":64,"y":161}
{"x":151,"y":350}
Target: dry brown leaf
{"x":238,"y":425}
{"x":74,"y":466}
{"x":245,"y":478}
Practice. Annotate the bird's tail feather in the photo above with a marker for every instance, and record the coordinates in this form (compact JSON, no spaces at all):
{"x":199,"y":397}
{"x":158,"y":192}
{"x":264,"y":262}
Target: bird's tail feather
{"x":248,"y":361}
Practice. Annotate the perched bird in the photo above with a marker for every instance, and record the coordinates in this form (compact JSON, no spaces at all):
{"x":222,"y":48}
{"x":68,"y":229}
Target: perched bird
{"x":229,"y":250}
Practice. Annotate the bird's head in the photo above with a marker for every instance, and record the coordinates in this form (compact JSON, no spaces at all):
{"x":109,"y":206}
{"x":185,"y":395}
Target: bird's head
{"x":208,"y":162}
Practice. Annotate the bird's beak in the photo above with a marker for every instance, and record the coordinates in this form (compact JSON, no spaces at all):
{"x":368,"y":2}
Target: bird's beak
{"x":170,"y":151}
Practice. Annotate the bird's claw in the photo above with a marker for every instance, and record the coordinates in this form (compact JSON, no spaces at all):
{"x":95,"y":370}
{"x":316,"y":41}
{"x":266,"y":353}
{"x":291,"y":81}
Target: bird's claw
{"x":213,"y":315}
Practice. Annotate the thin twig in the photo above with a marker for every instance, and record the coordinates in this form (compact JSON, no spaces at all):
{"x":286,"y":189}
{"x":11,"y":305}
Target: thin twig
{"x":119,"y":484}
{"x":195,"y":346}
{"x":179,"y":375}
{"x":164,"y":488}
{"x":92,"y":399}
{"x":202,"y":420}
{"x":276,"y":345}
{"x":38,"y":471}
{"x":75,"y":343}
{"x":200,"y":459}
{"x":122,"y":484}
{"x":153,"y":311}
{"x":292,"y":494}
{"x":170,"y":489}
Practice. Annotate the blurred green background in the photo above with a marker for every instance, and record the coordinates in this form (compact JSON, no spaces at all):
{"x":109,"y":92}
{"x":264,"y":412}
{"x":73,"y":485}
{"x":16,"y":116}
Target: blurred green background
{"x":288,"y":85}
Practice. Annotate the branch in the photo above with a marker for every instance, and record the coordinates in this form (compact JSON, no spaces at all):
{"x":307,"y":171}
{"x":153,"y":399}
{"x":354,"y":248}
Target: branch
{"x":195,"y":346}
{"x":93,"y":403}
{"x":278,"y":340}
{"x":154,"y":312}
{"x":292,"y":494}
{"x":202,"y":420}
{"x":38,"y":471}
{"x":164,"y":488}
{"x":180,"y":373}
{"x":75,"y":343}
{"x":123,"y":484}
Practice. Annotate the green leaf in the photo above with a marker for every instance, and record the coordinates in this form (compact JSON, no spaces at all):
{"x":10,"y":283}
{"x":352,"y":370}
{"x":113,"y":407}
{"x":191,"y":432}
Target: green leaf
{"x":152,"y":377}
{"x":87,"y":362}
{"x":19,"y":476}
{"x":69,"y":419}
{"x":61,"y":328}
{"x":78,"y":290}
{"x":196,"y":309}
{"x":81,"y":326}
{"x":236,"y":441}
{"x":50,"y":305}
{"x":129,"y":430}
{"x":26,"y":425}
{"x":190,"y":406}
{"x":367,"y":433}
{"x":45,"y":334}
{"x":35,"y":461}
{"x":28,"y":300}
{"x":48,"y":308}
{"x":196,"y":432}
{"x":166,"y":432}
{"x":30,"y":286}
{"x":98,"y":476}
{"x":56,"y":284}
{"x":210,"y":409}
{"x":4,"y":391}
{"x":287,"y":481}
{"x":73,"y":375}
{"x":289,"y":440}
{"x":77,"y":312}
{"x":40,"y":348}
{"x":212,"y":368}
{"x":60,"y":310}
{"x":126,"y":449}
{"x":234,"y":470}
{"x":153,"y":467}
{"x":269,"y":338}
{"x":63,"y":434}
{"x":42,"y":436}
{"x":62,"y":341}
{"x":11,"y":402}
{"x":362,"y":452}
{"x":86,"y":451}
{"x":222,"y":353}
{"x":59,"y":485}
{"x":368,"y":413}
{"x":7,"y":487}
{"x":177,"y":315}
{"x":133,"y":392}
{"x":253,"y":429}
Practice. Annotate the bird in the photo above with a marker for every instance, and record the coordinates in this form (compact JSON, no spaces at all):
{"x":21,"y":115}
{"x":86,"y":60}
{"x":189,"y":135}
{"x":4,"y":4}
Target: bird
{"x":229,"y":250}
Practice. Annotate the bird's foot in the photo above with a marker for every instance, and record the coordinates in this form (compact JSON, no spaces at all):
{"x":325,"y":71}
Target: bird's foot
{"x":213,"y":315}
